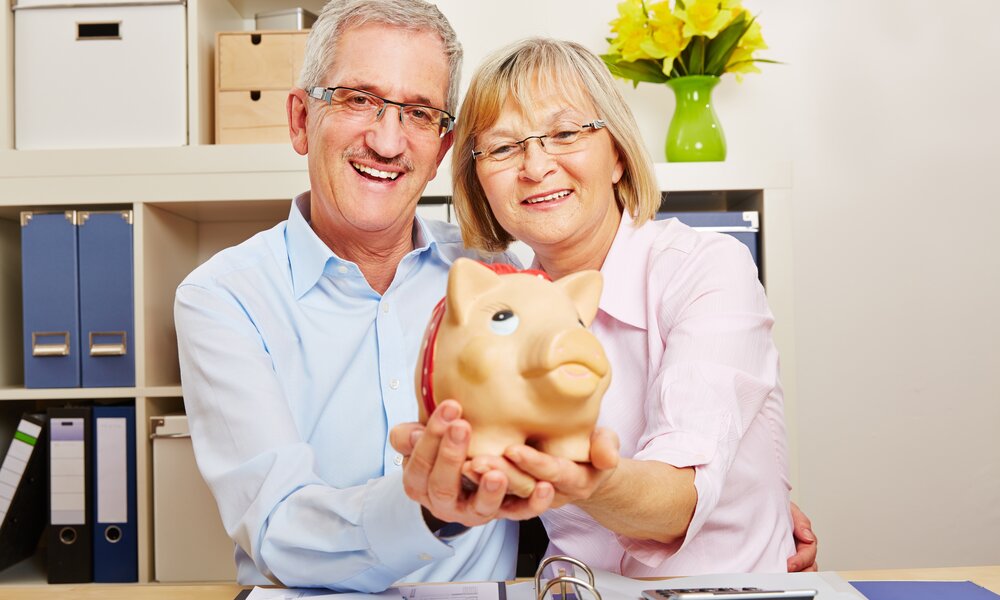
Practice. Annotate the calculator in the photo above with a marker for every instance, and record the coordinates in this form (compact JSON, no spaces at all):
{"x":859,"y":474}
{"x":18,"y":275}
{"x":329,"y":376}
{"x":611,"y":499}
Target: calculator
{"x":729,"y":593}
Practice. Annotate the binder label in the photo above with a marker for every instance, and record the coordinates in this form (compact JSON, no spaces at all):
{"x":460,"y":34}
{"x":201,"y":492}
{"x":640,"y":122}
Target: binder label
{"x":67,"y":472}
{"x":112,"y":471}
{"x":14,"y":464}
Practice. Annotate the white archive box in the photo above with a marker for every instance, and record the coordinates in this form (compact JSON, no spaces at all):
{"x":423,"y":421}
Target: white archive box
{"x":107,"y":74}
{"x":189,"y":542}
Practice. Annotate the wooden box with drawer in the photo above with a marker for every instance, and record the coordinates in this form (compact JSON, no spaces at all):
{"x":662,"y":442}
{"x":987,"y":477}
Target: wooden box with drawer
{"x":254,"y":71}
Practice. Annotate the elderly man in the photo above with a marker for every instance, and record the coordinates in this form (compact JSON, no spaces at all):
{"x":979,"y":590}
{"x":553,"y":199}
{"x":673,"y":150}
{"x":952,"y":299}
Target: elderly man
{"x":297,"y":346}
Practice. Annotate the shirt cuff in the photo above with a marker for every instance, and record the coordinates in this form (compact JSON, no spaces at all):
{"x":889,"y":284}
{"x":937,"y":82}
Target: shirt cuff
{"x":397,"y":533}
{"x":680,"y":449}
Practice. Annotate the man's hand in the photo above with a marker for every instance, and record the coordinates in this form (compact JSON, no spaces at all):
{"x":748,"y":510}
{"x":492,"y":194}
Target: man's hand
{"x":432,"y":473}
{"x":572,"y":481}
{"x":804,"y":558}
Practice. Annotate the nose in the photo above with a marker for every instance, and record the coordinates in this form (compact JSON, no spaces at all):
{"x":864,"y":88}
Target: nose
{"x":537,"y":163}
{"x":385,"y":135}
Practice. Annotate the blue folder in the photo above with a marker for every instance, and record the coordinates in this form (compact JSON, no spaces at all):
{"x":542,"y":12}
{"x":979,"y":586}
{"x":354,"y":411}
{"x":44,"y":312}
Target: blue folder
{"x":116,"y":548}
{"x":50,"y":300}
{"x":106,"y":299}
{"x":742,"y":225}
{"x":923,"y":590}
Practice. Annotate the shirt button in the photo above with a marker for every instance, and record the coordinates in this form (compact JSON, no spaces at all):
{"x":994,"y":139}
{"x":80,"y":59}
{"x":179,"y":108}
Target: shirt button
{"x":425,"y":557}
{"x":342,"y":269}
{"x":394,"y":384}
{"x":385,"y":308}
{"x":397,"y":460}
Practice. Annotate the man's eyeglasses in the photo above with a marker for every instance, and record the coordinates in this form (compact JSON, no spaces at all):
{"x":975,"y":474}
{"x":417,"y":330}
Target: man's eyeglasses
{"x":558,"y":141}
{"x":367,"y":107}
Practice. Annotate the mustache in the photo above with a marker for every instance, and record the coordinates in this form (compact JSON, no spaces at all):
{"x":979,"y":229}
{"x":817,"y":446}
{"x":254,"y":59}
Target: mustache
{"x":368,"y":154}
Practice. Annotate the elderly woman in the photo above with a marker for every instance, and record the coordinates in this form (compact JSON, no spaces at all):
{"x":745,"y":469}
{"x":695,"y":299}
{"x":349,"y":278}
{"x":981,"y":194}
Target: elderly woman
{"x":547,"y":152}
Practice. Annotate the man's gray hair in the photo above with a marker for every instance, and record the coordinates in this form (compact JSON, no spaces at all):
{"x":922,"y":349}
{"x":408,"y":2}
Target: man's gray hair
{"x":340,"y":15}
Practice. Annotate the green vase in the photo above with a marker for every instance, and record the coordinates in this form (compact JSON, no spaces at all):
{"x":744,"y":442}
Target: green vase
{"x":695,"y":133}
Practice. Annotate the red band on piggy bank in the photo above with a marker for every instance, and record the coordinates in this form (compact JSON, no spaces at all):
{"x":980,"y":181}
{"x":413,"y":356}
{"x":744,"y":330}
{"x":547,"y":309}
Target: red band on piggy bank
{"x":430,"y":336}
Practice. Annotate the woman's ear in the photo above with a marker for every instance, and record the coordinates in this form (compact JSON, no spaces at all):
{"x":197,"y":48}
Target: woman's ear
{"x":298,"y":111}
{"x":618,"y":170}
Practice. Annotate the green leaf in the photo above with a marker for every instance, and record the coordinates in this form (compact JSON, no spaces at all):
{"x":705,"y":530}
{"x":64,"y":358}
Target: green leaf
{"x":756,"y":60}
{"x":724,"y":44}
{"x":680,"y":66}
{"x":697,"y":60}
{"x":639,"y":70}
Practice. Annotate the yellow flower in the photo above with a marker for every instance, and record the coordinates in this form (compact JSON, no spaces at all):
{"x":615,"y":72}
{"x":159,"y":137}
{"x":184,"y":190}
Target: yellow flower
{"x":739,"y":62}
{"x":632,"y":28}
{"x":705,"y":17}
{"x":667,"y":40}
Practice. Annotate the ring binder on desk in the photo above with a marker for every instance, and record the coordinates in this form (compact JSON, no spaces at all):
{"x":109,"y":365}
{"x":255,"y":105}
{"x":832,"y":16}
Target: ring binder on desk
{"x":564,"y":580}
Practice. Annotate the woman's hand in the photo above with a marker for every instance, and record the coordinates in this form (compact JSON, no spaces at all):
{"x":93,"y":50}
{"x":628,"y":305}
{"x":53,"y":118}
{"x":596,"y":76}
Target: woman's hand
{"x":432,"y":474}
{"x":571,"y":481}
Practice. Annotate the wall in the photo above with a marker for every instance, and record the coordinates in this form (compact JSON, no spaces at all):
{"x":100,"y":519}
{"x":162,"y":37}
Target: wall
{"x":897,"y":280}
{"x":887,"y":111}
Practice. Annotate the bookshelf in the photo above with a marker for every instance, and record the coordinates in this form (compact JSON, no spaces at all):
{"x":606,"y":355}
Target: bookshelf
{"x":192,"y":201}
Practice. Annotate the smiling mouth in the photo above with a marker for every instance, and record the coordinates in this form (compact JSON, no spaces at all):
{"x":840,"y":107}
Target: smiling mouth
{"x":548,"y":198}
{"x":376,"y":174}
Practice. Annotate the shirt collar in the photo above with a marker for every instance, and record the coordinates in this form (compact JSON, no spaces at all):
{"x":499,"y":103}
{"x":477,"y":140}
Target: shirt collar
{"x":308,"y":255}
{"x":625,"y":273}
{"x":427,"y":236}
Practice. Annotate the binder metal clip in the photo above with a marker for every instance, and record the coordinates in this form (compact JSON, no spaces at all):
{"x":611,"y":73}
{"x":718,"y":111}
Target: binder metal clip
{"x":564,"y":581}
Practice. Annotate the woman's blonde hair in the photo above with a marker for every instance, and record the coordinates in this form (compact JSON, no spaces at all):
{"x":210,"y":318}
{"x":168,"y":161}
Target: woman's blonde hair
{"x":519,"y":72}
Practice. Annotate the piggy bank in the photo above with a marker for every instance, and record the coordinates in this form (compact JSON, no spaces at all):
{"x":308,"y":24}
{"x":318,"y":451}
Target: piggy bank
{"x":512,"y":347}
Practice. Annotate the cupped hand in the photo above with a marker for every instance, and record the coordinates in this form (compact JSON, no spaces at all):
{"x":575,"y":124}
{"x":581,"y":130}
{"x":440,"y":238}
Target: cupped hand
{"x":432,"y":473}
{"x":572,"y":481}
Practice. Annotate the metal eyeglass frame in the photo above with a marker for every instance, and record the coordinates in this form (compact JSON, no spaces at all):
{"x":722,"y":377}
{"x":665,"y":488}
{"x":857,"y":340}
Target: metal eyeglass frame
{"x":326,"y":94}
{"x":481,"y":154}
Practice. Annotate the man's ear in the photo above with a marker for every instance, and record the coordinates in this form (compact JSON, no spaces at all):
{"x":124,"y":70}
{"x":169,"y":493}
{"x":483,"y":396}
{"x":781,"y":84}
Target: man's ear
{"x":446,"y":142}
{"x":298,"y":110}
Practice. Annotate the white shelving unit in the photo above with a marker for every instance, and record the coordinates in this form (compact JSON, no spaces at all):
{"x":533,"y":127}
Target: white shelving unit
{"x":189,"y":202}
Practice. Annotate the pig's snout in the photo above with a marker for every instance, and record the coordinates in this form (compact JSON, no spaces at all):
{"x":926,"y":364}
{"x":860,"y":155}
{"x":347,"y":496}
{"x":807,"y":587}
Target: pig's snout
{"x":570,"y":354}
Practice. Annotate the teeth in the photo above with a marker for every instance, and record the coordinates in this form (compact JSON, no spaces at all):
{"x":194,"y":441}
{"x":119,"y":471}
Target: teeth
{"x":554,"y":196}
{"x":375,"y":172}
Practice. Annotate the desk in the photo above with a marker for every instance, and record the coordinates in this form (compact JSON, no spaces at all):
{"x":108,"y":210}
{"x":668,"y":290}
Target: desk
{"x":988,"y":577}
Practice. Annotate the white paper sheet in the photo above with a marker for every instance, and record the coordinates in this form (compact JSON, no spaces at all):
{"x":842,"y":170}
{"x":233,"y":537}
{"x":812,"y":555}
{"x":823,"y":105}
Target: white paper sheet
{"x":828,"y":584}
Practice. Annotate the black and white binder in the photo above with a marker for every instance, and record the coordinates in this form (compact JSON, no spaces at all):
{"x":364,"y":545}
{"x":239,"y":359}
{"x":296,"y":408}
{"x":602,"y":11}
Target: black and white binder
{"x":70,"y":545}
{"x":22,"y":491}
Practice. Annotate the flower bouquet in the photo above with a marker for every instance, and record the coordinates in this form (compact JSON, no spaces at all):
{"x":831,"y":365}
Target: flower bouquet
{"x":688,"y":45}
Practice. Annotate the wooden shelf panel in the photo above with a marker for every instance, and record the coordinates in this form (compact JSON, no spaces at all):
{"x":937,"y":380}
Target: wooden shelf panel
{"x":260,"y":172}
{"x":13,"y":393}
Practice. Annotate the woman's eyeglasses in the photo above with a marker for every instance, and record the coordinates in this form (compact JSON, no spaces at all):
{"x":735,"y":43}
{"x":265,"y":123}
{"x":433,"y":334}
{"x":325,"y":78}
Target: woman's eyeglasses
{"x":560,"y":140}
{"x":366,"y":107}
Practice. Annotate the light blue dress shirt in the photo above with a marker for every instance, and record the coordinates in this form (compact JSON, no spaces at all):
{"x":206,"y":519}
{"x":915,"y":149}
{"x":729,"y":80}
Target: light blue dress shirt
{"x":294,"y":370}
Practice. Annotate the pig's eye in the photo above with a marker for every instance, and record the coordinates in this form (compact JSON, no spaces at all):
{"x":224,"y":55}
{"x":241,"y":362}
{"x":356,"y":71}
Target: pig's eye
{"x":504,"y":322}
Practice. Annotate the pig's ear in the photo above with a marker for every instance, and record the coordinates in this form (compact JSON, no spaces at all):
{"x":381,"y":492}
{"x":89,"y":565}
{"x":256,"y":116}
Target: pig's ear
{"x":584,"y":289}
{"x":467,"y":280}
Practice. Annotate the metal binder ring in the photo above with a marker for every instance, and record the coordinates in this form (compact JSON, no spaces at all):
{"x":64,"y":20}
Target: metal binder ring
{"x":590,"y":587}
{"x":577,"y":584}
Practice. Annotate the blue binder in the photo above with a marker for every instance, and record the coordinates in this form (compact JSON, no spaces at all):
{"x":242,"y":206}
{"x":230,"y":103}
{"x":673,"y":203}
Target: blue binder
{"x":106,"y":300}
{"x":50,"y":299}
{"x":742,"y":225}
{"x":116,"y":548}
